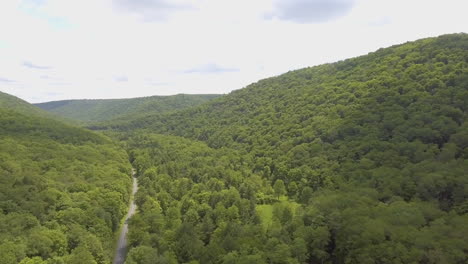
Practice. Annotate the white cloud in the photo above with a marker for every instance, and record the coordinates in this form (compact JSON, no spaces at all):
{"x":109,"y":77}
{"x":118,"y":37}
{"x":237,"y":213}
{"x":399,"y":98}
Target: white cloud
{"x":103,"y":49}
{"x":311,"y":11}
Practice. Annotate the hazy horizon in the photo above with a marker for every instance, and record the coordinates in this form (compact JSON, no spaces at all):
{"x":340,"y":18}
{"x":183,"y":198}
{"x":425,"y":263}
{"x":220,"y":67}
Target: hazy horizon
{"x":123,"y":98}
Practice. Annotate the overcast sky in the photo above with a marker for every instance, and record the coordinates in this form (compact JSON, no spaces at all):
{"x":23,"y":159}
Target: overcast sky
{"x":70,"y":49}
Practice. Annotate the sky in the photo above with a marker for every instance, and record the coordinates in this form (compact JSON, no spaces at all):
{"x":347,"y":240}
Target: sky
{"x":69,"y":49}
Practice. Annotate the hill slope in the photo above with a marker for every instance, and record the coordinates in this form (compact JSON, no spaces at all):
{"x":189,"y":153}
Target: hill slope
{"x":8,"y":101}
{"x":108,"y":109}
{"x":56,"y":200}
{"x":401,"y":78}
{"x":370,"y":154}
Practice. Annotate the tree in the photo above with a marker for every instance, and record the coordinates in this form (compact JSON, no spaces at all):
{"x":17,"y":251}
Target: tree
{"x":142,"y":255}
{"x":292,"y":189}
{"x":34,"y":260}
{"x":11,"y":253}
{"x":80,"y":255}
{"x":279,"y":188}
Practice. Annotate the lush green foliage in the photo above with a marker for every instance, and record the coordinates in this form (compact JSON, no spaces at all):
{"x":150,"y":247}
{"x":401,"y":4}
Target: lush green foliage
{"x":398,"y":111}
{"x":122,"y":109}
{"x":14,"y":103}
{"x":360,"y":161}
{"x":373,"y":149}
{"x":195,"y":203}
{"x":63,"y":190}
{"x":203,"y":205}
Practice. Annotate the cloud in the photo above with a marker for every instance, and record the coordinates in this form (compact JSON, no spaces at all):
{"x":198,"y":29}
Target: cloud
{"x":121,"y":79}
{"x":310,"y":11}
{"x":4,"y":80}
{"x":150,"y":10}
{"x":36,"y":9}
{"x":35,"y":66}
{"x":382,"y":21}
{"x":53,"y":93}
{"x":210,"y":68}
{"x":31,"y":4}
{"x":60,"y":83}
{"x":155,"y":83}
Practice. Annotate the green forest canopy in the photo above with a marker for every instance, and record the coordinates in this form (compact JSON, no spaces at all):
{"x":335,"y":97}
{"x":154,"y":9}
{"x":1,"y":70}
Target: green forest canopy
{"x":14,"y":103}
{"x":372,"y":152}
{"x":359,"y":161}
{"x":63,"y":189}
{"x":111,"y":109}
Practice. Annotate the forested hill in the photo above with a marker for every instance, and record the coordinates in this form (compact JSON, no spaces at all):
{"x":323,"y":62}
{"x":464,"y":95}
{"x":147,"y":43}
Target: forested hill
{"x":19,"y":118}
{"x":359,"y":161}
{"x":393,"y":90}
{"x":8,"y":101}
{"x":63,"y":189}
{"x":108,"y":109}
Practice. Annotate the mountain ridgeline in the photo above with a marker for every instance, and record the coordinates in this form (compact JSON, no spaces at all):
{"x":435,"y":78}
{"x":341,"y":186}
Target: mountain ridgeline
{"x":359,"y":161}
{"x":63,"y":189}
{"x":20,"y":106}
{"x":88,"y":111}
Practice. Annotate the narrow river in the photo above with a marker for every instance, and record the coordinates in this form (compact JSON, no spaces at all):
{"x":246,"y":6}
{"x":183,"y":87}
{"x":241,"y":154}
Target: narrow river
{"x":121,"y":249}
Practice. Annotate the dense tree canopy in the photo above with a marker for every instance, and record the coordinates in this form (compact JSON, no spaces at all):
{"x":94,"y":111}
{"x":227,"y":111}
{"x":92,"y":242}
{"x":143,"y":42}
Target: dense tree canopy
{"x":203,"y":205}
{"x":11,"y":102}
{"x":63,"y":191}
{"x":119,"y":110}
{"x":371,"y":153}
{"x":360,"y":161}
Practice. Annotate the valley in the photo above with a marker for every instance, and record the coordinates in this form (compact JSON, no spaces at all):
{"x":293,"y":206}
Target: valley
{"x":360,"y":161}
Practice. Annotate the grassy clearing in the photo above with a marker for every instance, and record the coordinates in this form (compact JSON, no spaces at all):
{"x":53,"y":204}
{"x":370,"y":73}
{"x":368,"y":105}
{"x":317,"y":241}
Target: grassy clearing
{"x":265,"y":211}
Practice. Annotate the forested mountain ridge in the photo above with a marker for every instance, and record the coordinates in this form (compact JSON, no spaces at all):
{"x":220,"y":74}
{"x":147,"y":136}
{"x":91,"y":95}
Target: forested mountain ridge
{"x":359,"y":161}
{"x":402,"y":76}
{"x":19,"y":118}
{"x":11,"y":102}
{"x":63,"y":189}
{"x":110,"y":109}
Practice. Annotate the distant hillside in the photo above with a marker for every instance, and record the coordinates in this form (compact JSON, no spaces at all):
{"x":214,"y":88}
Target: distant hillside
{"x":108,"y":109}
{"x":359,"y":161}
{"x":63,"y":189}
{"x":11,"y":102}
